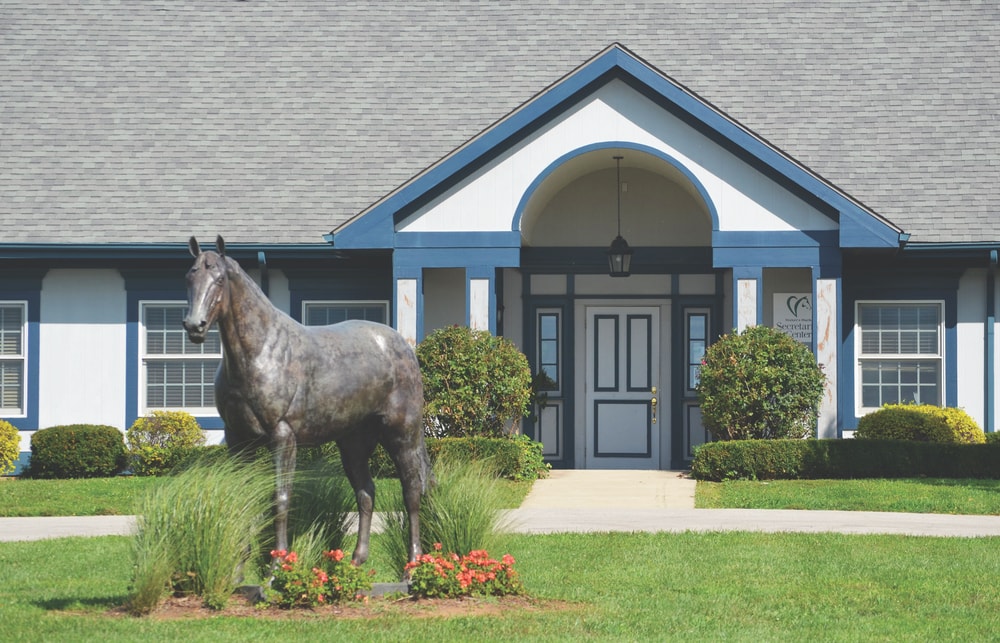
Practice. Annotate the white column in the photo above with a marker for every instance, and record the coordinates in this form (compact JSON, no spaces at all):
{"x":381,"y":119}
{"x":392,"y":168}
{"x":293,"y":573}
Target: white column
{"x":827,"y":340}
{"x":479,"y":304}
{"x":746,"y":304}
{"x":406,"y":309}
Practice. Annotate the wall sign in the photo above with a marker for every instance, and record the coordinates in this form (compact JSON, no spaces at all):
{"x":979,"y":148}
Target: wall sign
{"x":793,"y":314}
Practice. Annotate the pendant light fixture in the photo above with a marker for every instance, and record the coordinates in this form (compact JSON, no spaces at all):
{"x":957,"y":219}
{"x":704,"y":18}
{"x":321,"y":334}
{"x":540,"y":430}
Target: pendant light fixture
{"x":619,"y":253}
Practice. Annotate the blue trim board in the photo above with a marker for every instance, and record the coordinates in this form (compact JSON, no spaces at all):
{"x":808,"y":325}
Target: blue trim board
{"x":458,"y":240}
{"x":455,"y":257}
{"x":374,"y":228}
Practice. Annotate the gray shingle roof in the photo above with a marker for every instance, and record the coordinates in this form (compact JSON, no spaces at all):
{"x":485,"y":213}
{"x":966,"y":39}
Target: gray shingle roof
{"x":275,"y":122}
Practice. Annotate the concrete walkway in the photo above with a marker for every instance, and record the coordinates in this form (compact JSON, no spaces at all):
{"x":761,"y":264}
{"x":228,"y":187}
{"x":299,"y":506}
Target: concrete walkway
{"x":612,"y":501}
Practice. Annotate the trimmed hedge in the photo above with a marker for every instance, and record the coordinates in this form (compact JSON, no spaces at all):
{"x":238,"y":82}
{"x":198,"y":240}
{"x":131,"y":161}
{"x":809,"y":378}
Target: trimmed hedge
{"x":515,"y":458}
{"x":922,"y":422}
{"x":77,"y":451}
{"x":159,"y":441}
{"x":815,"y":459}
{"x":10,"y":445}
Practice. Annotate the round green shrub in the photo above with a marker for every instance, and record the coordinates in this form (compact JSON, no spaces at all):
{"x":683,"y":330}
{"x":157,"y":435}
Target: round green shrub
{"x":759,"y":384}
{"x":475,"y":384}
{"x":920,"y":422}
{"x":10,"y":447}
{"x":77,"y":451}
{"x":162,"y":440}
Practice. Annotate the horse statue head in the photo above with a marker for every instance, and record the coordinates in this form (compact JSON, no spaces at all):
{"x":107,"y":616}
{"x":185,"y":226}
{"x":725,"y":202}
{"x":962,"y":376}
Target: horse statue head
{"x":207,"y":285}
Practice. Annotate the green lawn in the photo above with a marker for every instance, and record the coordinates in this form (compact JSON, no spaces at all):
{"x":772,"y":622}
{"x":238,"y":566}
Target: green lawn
{"x":726,"y":586}
{"x":117,"y":496}
{"x":926,"y":495}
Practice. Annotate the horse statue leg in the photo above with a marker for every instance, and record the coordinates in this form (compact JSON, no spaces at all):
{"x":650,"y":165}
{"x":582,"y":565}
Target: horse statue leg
{"x":415,"y":477}
{"x":283,"y":448}
{"x":355,"y":450}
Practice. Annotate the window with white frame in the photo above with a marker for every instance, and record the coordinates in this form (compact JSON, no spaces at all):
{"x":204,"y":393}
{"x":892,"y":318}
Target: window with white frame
{"x":549,"y":345}
{"x":900,"y":353}
{"x":323,"y":313}
{"x":177,"y":374}
{"x":12,"y":357}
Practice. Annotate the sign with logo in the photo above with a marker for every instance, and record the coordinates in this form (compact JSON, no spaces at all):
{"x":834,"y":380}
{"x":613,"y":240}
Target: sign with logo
{"x":793,"y":314}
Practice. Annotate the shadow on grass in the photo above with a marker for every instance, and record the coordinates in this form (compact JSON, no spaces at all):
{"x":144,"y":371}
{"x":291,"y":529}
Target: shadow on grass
{"x":982,"y":484}
{"x":81,"y":604}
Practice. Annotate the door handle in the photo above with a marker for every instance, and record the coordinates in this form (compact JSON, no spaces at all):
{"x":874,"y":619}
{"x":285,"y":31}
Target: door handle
{"x":652,"y":402}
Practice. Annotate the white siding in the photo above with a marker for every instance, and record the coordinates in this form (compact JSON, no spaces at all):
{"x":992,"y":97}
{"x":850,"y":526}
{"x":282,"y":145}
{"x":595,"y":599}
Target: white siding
{"x":972,"y":344}
{"x":82,"y":345}
{"x":746,"y":200}
{"x":444,"y":298}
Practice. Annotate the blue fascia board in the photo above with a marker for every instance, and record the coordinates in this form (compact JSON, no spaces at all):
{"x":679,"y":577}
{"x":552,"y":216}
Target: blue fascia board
{"x":374,"y":227}
{"x":503,"y":239}
{"x":114,"y":251}
{"x":789,"y":249}
{"x":404,"y":258}
{"x":859,"y":229}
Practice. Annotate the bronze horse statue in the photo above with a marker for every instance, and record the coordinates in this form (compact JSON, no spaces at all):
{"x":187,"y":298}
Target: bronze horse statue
{"x":356,"y":383}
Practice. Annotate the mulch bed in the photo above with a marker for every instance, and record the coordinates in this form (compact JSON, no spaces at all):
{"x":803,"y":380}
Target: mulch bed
{"x":190,"y":607}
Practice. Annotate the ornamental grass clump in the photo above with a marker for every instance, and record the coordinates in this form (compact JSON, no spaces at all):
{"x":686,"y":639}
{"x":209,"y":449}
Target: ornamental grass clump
{"x":461,"y":512}
{"x":197,"y":531}
{"x":759,"y":384}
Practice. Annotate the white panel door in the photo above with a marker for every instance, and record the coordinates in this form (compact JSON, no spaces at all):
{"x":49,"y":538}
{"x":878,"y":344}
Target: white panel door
{"x":622,"y":382}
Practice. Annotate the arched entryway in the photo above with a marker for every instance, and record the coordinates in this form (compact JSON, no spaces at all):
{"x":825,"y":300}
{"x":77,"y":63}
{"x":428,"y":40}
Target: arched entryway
{"x":617,"y":352}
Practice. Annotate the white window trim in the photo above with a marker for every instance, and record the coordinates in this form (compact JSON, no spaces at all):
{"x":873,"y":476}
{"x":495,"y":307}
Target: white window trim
{"x":346,"y":303}
{"x":859,"y":358}
{"x":144,"y":408}
{"x":21,"y":412}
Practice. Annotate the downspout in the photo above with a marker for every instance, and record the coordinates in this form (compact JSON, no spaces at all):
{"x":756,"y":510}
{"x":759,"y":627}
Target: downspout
{"x":990,"y":342}
{"x":265,"y":283}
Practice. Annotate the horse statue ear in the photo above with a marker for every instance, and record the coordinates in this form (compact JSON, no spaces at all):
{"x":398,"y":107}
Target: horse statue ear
{"x":220,"y":245}
{"x":194,"y":247}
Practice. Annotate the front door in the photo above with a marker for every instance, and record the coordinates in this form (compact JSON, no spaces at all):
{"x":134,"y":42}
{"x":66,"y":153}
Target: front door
{"x":622,"y":387}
